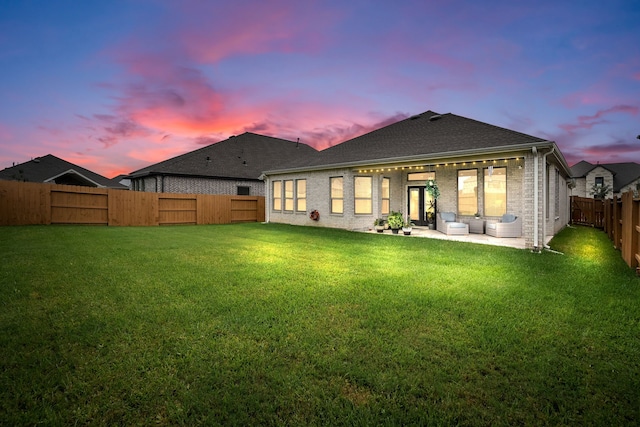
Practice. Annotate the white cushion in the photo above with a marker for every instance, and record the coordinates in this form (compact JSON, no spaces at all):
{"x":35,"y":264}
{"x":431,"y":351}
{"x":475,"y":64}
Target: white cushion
{"x":448,"y":216}
{"x":457,"y":225}
{"x":508,"y":218}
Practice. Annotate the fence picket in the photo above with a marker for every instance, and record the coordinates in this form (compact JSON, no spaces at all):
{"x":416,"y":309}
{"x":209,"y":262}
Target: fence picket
{"x":25,"y":203}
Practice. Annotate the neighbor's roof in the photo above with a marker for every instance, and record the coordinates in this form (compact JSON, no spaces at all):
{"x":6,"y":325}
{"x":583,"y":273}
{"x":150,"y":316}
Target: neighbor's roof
{"x":239,"y":157}
{"x":623,"y":173}
{"x":426,"y":135}
{"x":53,"y":169}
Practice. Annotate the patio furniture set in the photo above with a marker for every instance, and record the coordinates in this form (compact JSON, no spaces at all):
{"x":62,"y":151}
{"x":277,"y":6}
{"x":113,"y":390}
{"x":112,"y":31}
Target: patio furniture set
{"x":508,"y":225}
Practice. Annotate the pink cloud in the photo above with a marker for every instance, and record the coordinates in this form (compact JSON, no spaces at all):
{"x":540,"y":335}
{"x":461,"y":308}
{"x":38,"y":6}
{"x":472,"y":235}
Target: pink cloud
{"x":613,"y":152}
{"x":275,"y":26}
{"x":163,"y":90}
{"x":587,"y":122}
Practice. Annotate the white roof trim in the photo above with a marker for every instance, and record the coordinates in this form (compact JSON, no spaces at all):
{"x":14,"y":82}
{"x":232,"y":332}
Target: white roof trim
{"x":73,"y":172}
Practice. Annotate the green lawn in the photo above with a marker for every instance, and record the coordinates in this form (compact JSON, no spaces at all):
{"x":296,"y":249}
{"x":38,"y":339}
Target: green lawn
{"x":278,"y":325}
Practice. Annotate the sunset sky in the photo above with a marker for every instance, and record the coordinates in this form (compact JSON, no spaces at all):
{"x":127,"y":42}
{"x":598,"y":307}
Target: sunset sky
{"x":115,"y":86}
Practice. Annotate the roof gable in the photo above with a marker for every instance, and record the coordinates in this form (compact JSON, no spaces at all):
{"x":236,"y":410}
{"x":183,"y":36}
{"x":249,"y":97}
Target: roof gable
{"x":623,"y":174}
{"x":242,"y":157}
{"x":50,"y":168}
{"x":581,"y":169}
{"x":427,"y":134}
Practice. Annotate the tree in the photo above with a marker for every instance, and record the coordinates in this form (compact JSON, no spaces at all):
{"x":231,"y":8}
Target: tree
{"x":600,"y":191}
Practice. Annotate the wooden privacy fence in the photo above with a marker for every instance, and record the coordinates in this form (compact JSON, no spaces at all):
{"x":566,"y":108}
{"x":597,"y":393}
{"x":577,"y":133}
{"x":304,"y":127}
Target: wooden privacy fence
{"x":587,"y":211}
{"x":622,"y":224}
{"x":24,"y":203}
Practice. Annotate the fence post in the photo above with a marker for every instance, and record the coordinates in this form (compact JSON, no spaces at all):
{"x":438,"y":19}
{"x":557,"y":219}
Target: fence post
{"x":629,"y":236}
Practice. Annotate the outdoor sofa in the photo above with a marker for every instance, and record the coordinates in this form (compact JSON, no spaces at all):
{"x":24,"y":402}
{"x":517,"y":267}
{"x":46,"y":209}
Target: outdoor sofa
{"x":447,"y":224}
{"x":509,"y":226}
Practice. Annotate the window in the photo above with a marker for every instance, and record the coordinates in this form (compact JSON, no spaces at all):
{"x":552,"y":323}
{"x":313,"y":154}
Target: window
{"x":363,"y":194}
{"x":420,"y":176}
{"x":495,"y":191}
{"x":301,"y":195}
{"x":277,"y":195}
{"x":386,"y":196}
{"x":337,"y":195}
{"x":467,"y":192}
{"x":288,"y":195}
{"x":243,"y":191}
{"x":599,"y":181}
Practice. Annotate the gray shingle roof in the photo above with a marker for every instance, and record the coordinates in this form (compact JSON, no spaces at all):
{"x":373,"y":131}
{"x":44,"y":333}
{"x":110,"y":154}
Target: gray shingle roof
{"x":428,"y":134}
{"x":623,"y":173}
{"x":46,"y":168}
{"x":244,"y":156}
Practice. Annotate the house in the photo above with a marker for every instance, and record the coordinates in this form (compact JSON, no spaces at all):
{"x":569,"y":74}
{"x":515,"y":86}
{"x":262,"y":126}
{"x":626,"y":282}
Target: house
{"x":122,"y":179}
{"x":479,"y":168}
{"x":618,"y":177}
{"x":55,"y":170}
{"x":233,"y":166}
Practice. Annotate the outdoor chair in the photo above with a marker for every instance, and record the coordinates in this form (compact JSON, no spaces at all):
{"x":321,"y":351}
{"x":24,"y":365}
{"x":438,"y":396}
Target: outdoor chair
{"x":447,"y":224}
{"x":509,"y":226}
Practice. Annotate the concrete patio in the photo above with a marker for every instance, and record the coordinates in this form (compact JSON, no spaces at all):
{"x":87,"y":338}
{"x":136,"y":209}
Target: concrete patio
{"x":511,"y":242}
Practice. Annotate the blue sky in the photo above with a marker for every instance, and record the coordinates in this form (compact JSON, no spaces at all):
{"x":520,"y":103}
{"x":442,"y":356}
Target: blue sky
{"x":115,"y":86}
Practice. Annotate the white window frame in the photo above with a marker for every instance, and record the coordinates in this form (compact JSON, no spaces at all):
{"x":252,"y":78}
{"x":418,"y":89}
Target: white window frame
{"x":301,"y":197}
{"x":335,"y":197}
{"x":357,"y":198}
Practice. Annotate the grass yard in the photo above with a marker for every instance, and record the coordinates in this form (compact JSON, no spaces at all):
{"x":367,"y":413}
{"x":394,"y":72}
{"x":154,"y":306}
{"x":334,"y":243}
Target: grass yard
{"x":278,"y":325}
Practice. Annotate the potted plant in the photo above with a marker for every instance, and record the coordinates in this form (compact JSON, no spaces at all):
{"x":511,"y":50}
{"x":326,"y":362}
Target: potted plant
{"x":407,"y":227}
{"x":432,"y":190}
{"x":395,"y":221}
{"x":378,"y":224}
{"x":431,"y":219}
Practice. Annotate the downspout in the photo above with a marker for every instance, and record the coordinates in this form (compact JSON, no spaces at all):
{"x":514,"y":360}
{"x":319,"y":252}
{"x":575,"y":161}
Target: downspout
{"x":534,"y":150}
{"x":544,"y":195}
{"x":267,"y":197}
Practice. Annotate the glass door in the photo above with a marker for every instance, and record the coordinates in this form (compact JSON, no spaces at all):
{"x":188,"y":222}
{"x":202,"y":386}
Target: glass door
{"x":421,"y":206}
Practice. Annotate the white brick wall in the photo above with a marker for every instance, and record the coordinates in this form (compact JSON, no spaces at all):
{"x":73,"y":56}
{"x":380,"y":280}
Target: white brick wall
{"x":520,"y":194}
{"x":189,"y":185}
{"x":631,"y":187}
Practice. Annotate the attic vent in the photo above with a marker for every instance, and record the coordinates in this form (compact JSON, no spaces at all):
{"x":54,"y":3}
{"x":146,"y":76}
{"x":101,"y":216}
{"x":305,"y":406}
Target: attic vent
{"x":435,"y":117}
{"x":417,"y":116}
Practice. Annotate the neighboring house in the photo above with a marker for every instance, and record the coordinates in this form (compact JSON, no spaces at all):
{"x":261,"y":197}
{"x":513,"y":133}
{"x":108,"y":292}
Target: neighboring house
{"x":619,"y":177}
{"x":479,"y":168}
{"x":233,"y":166}
{"x":123,"y":180}
{"x":54,"y":170}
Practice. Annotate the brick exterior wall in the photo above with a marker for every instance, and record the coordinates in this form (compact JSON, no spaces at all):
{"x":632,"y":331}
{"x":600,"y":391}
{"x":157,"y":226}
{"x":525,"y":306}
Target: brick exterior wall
{"x":631,"y":187}
{"x":192,"y":185}
{"x":520,"y":195}
{"x":591,"y":180}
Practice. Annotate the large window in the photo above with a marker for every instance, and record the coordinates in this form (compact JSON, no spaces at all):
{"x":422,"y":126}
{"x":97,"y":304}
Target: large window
{"x":495,"y":191}
{"x":288,"y":195}
{"x":467,"y":192}
{"x":277,"y":195}
{"x":363,"y":194}
{"x":386,"y":196}
{"x":301,"y":195}
{"x":337,"y":195}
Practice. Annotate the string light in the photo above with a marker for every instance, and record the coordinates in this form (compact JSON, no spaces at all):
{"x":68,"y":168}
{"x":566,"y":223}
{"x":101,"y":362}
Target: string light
{"x":432,"y":166}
